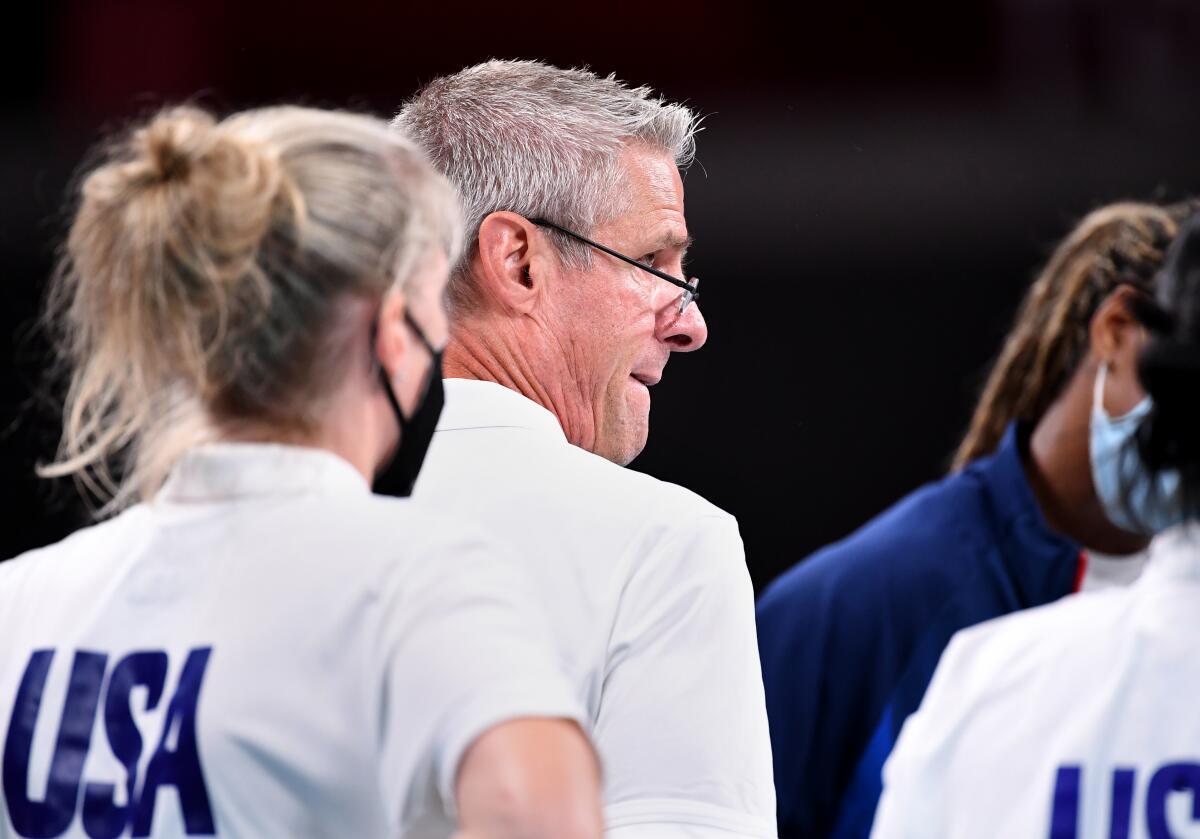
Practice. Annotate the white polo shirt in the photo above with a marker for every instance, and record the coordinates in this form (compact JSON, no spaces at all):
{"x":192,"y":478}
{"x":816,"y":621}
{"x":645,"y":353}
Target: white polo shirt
{"x":268,"y":650}
{"x":1075,"y":719}
{"x":1107,"y":571}
{"x":651,"y":608}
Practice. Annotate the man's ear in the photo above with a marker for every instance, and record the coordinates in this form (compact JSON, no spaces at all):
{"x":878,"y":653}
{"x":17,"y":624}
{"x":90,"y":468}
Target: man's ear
{"x":1115,"y":335}
{"x":391,"y":337}
{"x":509,"y":264}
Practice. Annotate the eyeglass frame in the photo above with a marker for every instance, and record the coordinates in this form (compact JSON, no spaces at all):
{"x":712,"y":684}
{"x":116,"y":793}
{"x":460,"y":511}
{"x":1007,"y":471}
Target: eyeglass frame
{"x":690,"y":292}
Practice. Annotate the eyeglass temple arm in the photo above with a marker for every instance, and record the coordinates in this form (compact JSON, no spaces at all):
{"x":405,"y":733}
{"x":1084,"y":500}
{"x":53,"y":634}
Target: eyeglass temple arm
{"x":675,"y":281}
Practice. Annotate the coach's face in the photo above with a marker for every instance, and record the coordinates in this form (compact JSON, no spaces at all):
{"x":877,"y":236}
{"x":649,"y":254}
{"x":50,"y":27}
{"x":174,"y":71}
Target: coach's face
{"x":622,"y":323}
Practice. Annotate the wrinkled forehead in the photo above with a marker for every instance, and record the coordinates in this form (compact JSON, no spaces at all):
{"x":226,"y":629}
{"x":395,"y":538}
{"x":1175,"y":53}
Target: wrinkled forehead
{"x":652,"y":177}
{"x":653,"y":190}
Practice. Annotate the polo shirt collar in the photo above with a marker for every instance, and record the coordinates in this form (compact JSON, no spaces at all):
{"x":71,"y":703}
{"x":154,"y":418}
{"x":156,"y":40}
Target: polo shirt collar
{"x":477,"y":404}
{"x":226,"y":471}
{"x":1175,"y":555}
{"x":1045,"y":564}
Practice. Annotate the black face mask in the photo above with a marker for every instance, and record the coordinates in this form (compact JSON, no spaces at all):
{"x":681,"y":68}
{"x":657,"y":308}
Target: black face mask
{"x":396,"y":478}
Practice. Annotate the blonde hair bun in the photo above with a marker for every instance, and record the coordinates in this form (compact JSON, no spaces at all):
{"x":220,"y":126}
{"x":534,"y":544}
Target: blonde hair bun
{"x":173,"y":141}
{"x":203,"y":273}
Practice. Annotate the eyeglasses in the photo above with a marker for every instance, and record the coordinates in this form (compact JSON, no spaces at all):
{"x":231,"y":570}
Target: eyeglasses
{"x":690,"y":291}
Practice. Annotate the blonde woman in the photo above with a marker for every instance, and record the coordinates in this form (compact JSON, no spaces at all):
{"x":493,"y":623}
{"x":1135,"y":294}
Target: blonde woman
{"x":254,"y":644}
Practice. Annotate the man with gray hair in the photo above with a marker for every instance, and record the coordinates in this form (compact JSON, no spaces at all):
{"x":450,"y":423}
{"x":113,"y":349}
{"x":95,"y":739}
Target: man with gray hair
{"x":568,"y":303}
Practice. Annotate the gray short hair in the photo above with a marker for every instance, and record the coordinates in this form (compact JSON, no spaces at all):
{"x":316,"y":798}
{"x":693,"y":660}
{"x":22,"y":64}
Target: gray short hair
{"x":541,"y":141}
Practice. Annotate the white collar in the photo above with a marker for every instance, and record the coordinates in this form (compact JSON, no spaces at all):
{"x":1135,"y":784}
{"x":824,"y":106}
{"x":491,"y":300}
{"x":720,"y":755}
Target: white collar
{"x":477,"y":404}
{"x":221,"y":471}
{"x":1175,"y":553}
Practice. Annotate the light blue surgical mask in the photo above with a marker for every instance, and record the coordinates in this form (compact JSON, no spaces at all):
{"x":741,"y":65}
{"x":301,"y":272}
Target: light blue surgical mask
{"x":1133,"y":500}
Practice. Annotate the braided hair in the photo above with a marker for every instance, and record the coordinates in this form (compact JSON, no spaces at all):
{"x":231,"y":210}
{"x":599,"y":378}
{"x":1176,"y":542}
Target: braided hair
{"x":1118,"y":244}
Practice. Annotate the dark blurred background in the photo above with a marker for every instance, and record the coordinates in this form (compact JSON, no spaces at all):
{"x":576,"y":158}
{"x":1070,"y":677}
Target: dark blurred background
{"x":877,"y":182}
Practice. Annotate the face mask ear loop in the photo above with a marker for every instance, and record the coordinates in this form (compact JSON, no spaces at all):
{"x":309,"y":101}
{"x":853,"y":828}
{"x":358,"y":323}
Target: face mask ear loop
{"x":434,"y":356}
{"x":390,"y":393}
{"x":385,"y":380}
{"x":1098,"y":390}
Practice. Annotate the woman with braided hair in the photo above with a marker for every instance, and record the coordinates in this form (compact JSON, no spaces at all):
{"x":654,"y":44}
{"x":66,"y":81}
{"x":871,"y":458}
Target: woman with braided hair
{"x":1078,"y":718}
{"x":850,"y":637}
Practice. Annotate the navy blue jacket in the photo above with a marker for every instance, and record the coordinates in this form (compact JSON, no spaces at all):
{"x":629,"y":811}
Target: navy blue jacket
{"x":850,"y":637}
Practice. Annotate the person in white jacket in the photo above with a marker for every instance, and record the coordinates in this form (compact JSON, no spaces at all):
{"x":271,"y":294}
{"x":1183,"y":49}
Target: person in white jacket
{"x":254,"y":644}
{"x":566,"y":306}
{"x":1076,"y":719}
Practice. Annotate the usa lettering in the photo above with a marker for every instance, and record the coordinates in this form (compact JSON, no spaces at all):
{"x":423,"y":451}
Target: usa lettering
{"x":175,"y":761}
{"x":1167,"y":779}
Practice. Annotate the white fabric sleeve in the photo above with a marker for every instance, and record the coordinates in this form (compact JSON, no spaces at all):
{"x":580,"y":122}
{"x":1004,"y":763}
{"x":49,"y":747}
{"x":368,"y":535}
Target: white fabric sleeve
{"x":464,"y":648}
{"x":682,"y":727}
{"x":917,"y":774}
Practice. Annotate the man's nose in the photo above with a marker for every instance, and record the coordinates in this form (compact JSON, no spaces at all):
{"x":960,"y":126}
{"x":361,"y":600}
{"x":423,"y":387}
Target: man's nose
{"x":682,"y":332}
